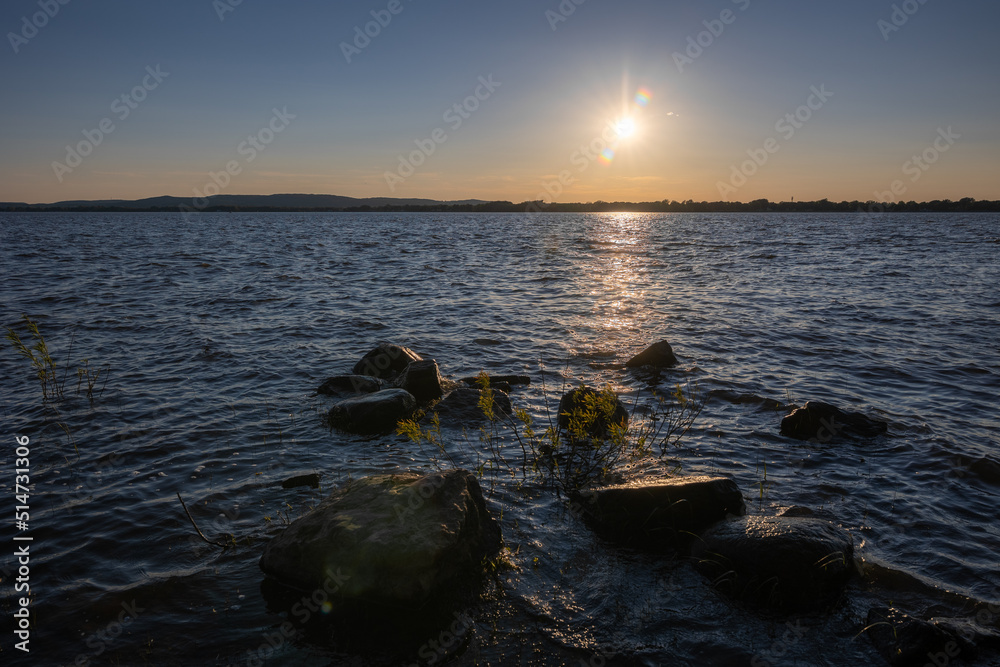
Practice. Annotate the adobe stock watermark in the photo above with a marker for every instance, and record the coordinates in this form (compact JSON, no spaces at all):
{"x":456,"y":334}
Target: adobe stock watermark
{"x":899,"y":17}
{"x":100,"y":641}
{"x":915,"y":168}
{"x":363,"y":36}
{"x":786,"y":127}
{"x":696,"y":44}
{"x":122,"y":107}
{"x":455,"y":116}
{"x":780,"y":646}
{"x":562,"y":13}
{"x":249,"y":149}
{"x":223,"y":7}
{"x":31,"y":26}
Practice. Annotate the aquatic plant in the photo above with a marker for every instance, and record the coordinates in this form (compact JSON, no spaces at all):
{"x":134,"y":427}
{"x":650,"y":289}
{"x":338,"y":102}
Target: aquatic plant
{"x":44,"y":366}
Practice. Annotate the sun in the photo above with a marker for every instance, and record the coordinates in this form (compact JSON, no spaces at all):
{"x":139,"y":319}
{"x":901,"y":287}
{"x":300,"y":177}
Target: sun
{"x":625,"y":127}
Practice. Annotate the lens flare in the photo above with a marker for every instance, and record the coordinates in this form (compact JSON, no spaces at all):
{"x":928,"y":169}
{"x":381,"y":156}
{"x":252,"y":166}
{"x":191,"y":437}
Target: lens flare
{"x":643,"y":96}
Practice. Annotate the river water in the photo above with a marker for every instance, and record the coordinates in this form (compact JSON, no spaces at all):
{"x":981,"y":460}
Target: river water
{"x":217,"y":329}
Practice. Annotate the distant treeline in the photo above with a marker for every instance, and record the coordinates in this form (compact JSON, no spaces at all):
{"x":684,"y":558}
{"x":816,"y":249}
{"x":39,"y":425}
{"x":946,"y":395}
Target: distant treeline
{"x":966,"y":205}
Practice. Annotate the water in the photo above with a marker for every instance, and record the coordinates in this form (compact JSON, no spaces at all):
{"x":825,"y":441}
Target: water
{"x":217,"y":330}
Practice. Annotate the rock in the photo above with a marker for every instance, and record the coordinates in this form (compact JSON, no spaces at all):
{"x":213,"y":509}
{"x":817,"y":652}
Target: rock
{"x":422,"y":379}
{"x":461,"y":406}
{"x":778,"y":562}
{"x":509,"y":379}
{"x":905,"y":641}
{"x":605,"y":412}
{"x":657,"y":355}
{"x":822,"y":422}
{"x":662,"y":510}
{"x":311,"y":480}
{"x":389,"y":540}
{"x":349,"y":384}
{"x":373,"y":413}
{"x":385,"y":361}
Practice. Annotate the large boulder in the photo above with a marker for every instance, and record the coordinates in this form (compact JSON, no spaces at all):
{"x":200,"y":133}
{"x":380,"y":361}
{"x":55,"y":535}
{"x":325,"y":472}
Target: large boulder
{"x":665,"y":510}
{"x":591,"y":412}
{"x":822,"y":423}
{"x":778,"y":562}
{"x":422,"y":379}
{"x":461,"y":406}
{"x":657,"y":355}
{"x":340,"y":385}
{"x":905,"y":641}
{"x":389,"y":541}
{"x":373,"y":413}
{"x":386,"y":361}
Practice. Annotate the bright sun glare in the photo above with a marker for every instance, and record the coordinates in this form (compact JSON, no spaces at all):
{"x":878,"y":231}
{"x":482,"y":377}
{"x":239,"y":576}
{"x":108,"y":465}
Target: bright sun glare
{"x":626,"y":127}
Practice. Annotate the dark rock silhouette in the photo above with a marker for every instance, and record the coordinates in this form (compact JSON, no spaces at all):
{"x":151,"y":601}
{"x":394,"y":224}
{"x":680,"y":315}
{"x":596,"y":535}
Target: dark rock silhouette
{"x":904,"y":640}
{"x":461,"y":406}
{"x":778,"y":562}
{"x":661,"y":511}
{"x":494,"y":379}
{"x":373,"y":413}
{"x":422,"y":379}
{"x":657,"y":355}
{"x":822,"y":423}
{"x":389,"y":540}
{"x":385,"y":361}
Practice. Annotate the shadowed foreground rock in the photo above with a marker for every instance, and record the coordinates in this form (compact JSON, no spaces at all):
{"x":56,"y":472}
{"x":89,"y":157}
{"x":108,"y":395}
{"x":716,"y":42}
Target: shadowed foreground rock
{"x":905,"y":641}
{"x":373,"y":413}
{"x":386,"y":361}
{"x":389,"y":540}
{"x":657,"y":355}
{"x":422,"y":379}
{"x":778,"y":562}
{"x":822,"y":422}
{"x":662,"y":511}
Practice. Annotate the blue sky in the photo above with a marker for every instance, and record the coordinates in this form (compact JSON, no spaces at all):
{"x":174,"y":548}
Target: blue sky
{"x":558,"y":89}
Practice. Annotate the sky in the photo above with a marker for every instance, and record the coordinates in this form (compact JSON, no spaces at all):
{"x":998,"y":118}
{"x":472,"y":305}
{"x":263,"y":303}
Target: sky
{"x":570,"y":101}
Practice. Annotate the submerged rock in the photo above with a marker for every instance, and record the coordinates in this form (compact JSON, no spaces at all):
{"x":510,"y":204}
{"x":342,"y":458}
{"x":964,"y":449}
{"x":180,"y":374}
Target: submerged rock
{"x":663,"y":510}
{"x":373,"y":413}
{"x":905,"y":641}
{"x":822,"y":423}
{"x":386,"y":361}
{"x":396,"y":540}
{"x":657,"y":355}
{"x":310,"y":480}
{"x":349,"y":384}
{"x":777,"y":562}
{"x":422,"y":379}
{"x":494,"y":379}
{"x":461,"y":406}
{"x":591,"y":411}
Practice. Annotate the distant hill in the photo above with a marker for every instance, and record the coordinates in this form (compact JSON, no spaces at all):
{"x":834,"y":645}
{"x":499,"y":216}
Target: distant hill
{"x":243,"y":202}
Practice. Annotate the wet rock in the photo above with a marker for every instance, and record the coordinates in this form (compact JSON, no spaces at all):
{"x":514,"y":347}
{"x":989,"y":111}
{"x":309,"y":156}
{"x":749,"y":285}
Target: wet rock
{"x":373,"y":413}
{"x":389,"y":540}
{"x":339,"y":385}
{"x":311,"y":480}
{"x":661,"y":511}
{"x":422,"y":379}
{"x":778,"y":562}
{"x":386,"y":361}
{"x":461,"y":406}
{"x":905,"y":641}
{"x":603,"y":413}
{"x":509,"y":379}
{"x":822,"y":423}
{"x":657,"y":355}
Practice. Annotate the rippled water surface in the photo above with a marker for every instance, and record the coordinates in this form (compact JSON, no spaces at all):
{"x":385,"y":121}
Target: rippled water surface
{"x":218,"y":329}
